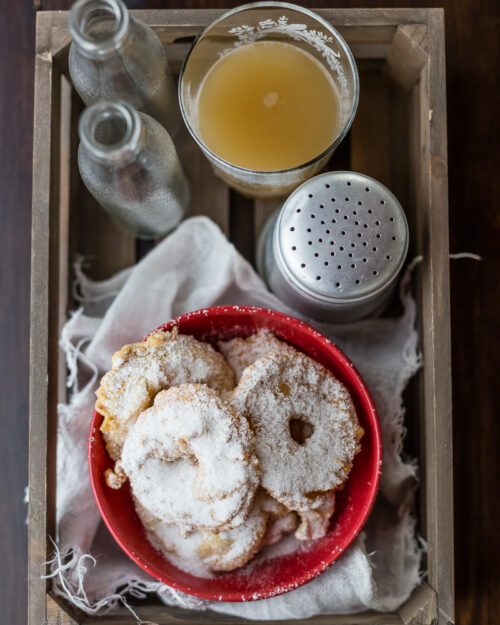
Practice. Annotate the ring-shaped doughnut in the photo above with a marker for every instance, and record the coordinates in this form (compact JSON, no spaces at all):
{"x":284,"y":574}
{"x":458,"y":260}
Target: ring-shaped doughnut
{"x":140,"y":370}
{"x":190,"y":459}
{"x":223,"y":550}
{"x":280,"y":389}
{"x":241,"y":352}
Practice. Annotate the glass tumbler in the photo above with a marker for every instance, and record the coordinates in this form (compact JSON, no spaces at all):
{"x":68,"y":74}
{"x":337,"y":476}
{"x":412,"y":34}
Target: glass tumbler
{"x":278,"y":22}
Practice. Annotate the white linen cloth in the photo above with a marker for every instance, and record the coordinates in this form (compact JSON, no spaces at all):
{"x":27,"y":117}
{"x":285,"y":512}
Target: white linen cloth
{"x":196,"y":267}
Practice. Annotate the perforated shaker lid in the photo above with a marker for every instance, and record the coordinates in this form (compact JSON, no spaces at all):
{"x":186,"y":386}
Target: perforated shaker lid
{"x":341,"y":236}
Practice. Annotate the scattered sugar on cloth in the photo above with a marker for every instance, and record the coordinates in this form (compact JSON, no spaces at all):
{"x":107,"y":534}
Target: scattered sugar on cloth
{"x":196,"y":267}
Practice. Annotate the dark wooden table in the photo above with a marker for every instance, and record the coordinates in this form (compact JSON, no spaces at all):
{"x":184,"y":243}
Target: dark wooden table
{"x":472,"y":35}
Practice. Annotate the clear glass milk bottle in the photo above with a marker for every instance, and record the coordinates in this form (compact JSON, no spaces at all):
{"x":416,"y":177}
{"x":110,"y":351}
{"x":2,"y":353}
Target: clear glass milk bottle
{"x":116,"y":56}
{"x":128,"y":162}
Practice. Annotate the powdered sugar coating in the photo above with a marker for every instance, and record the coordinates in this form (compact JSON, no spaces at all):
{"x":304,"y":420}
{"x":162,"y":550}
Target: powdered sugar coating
{"x":140,"y":370}
{"x":283,"y":386}
{"x":190,"y":460}
{"x":314,"y":523}
{"x":240,"y":352}
{"x":201,"y":552}
{"x":279,"y":526}
{"x":262,"y":522}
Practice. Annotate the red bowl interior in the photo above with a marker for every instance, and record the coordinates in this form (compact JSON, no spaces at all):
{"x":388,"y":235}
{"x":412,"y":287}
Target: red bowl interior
{"x":353,"y":503}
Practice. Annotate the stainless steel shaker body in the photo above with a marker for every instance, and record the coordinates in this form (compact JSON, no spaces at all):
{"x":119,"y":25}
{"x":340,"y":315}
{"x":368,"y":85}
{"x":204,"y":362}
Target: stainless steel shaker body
{"x":335,"y":249}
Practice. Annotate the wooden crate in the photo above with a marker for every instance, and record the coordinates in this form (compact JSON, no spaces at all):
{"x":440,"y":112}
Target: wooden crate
{"x":398,"y":137}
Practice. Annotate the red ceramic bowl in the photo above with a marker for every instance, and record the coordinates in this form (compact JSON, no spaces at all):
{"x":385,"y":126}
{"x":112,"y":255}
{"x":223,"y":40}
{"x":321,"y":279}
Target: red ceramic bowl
{"x":353,"y":503}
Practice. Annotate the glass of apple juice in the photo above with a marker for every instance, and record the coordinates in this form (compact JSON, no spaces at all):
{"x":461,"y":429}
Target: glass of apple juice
{"x":268,"y":91}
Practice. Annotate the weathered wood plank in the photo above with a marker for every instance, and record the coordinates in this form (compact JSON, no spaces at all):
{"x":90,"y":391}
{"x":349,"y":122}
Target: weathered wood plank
{"x":437,"y":341}
{"x":241,"y":226}
{"x":421,"y":607}
{"x":416,"y":218}
{"x":45,"y":161}
{"x":65,"y":274}
{"x":56,"y":615}
{"x":399,"y":150}
{"x":209,"y":195}
{"x":160,"y":615}
{"x":407,"y":54}
{"x":94,"y":235}
{"x":358,"y":26}
{"x":370,"y":130}
{"x":262,"y":211}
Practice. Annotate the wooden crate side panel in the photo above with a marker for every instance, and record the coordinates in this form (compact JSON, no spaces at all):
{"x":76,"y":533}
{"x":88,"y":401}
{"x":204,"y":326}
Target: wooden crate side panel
{"x":417,"y":244}
{"x":44,"y":154}
{"x":420,"y":609}
{"x":49,"y":229}
{"x":56,"y":614}
{"x":439,"y":443}
{"x":368,"y":31}
{"x":158,"y":615}
{"x":408,"y":54}
{"x":428,"y":187}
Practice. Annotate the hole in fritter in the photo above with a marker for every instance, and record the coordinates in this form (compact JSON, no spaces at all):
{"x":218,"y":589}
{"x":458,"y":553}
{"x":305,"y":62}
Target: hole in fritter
{"x":300,"y":430}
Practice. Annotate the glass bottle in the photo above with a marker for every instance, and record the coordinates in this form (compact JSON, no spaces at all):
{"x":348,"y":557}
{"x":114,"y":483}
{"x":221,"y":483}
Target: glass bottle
{"x":116,"y":56}
{"x":128,"y":162}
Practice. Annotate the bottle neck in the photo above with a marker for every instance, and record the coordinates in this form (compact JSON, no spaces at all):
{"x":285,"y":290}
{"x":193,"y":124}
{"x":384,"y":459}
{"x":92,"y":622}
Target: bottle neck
{"x":98,"y":27}
{"x":111,"y":132}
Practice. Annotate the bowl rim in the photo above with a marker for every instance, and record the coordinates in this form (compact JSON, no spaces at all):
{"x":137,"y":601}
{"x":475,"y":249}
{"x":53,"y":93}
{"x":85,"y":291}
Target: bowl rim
{"x":344,"y":542}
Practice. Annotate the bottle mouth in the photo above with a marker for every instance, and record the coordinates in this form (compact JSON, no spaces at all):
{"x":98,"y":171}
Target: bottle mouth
{"x":110,"y":130}
{"x":98,"y":26}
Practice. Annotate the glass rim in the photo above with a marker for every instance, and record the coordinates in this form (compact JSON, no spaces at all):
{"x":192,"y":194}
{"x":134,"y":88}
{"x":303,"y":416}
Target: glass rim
{"x":293,"y":7}
{"x":104,"y":110}
{"x":78,"y":15}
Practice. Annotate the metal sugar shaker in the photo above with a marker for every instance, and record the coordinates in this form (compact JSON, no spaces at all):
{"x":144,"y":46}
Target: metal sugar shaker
{"x":116,"y":56}
{"x":128,"y":162}
{"x":335,"y":249}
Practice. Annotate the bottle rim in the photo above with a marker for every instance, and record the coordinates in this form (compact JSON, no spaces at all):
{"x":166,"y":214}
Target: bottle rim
{"x":91,"y":119}
{"x":80,"y":17}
